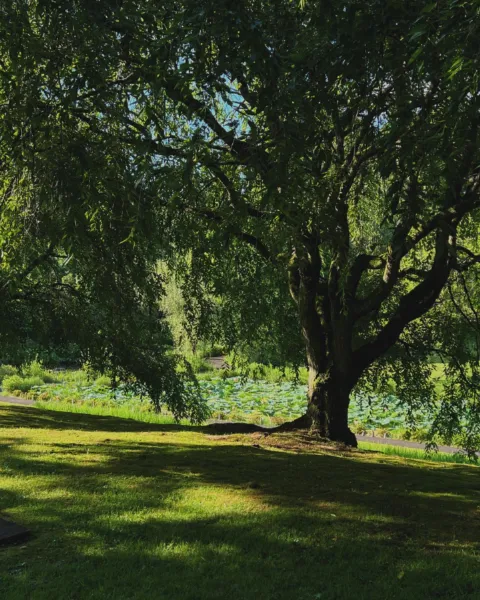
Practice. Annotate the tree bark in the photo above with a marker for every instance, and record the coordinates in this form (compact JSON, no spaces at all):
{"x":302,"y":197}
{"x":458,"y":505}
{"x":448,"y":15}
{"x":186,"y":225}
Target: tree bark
{"x":327,"y":331}
{"x":328,"y":402}
{"x":327,"y":411}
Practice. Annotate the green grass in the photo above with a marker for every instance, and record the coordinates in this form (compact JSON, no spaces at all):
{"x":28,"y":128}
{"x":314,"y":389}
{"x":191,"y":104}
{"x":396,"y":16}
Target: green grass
{"x":414,"y":453}
{"x":147,"y":416}
{"x":122,"y":412}
{"x":268,"y":396}
{"x":128,"y":510}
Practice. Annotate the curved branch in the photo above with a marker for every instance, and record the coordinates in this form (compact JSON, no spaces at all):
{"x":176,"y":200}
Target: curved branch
{"x":450,"y":217}
{"x":249,"y":238}
{"x":411,"y":306}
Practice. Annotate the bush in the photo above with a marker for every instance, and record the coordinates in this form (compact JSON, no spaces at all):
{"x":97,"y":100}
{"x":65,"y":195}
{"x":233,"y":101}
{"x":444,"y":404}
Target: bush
{"x":49,"y":377}
{"x":80,"y":376}
{"x":34,"y":369}
{"x":12,"y":383}
{"x":103,"y":381}
{"x":358,"y":428}
{"x":416,"y":435}
{"x":15,"y":383}
{"x":7,"y":371}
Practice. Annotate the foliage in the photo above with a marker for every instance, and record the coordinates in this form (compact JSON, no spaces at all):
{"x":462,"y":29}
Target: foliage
{"x":199,"y":364}
{"x":72,"y":274}
{"x":103,"y":381}
{"x":53,"y":354}
{"x":322,"y":151}
{"x":6,"y":371}
{"x":37,"y":369}
{"x":269,"y":401}
{"x":15,"y":383}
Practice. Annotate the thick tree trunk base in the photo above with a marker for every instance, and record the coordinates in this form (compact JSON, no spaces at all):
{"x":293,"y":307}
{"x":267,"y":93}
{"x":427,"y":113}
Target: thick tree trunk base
{"x":346,"y":436}
{"x":303,"y":422}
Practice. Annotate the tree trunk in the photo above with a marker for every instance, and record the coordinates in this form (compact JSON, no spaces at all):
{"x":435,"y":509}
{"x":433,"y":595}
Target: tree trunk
{"x":328,"y":401}
{"x":327,"y":411}
{"x":327,"y":329}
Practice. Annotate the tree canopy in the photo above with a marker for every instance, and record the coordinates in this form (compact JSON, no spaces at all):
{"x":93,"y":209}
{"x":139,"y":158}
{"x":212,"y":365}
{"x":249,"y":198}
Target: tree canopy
{"x":314,"y":165}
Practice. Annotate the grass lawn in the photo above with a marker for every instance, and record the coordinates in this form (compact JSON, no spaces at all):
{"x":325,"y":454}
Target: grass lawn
{"x":457,"y":457}
{"x":127,"y":510}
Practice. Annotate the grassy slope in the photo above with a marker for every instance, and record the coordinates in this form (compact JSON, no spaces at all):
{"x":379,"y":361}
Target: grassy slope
{"x":127,"y":510}
{"x":458,"y":457}
{"x":151,"y":417}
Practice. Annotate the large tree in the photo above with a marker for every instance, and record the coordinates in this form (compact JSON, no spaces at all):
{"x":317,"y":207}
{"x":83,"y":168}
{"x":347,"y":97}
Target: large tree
{"x":69,"y":201}
{"x":323,"y":150}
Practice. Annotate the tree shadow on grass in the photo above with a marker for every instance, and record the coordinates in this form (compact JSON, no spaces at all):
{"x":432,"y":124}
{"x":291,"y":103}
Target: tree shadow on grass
{"x":51,"y":419}
{"x":27,"y":416}
{"x":312,"y":525}
{"x":14,"y":416}
{"x":279,"y":479}
{"x":138,"y":519}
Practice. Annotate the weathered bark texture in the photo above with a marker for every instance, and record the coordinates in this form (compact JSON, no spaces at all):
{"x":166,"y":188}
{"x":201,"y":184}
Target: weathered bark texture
{"x":330,"y":309}
{"x":328,"y":401}
{"x":327,"y":411}
{"x":327,"y":332}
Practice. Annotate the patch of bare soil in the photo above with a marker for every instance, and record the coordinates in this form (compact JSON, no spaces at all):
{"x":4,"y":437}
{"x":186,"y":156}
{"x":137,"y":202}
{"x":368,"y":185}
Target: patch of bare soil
{"x":292,"y":441}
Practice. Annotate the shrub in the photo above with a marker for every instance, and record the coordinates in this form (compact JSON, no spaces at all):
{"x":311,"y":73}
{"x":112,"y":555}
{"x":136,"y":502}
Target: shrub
{"x":49,"y":377}
{"x":358,"y":428}
{"x":103,"y":381}
{"x":15,"y":383}
{"x":80,"y":376}
{"x":7,"y":371}
{"x":199,"y":364}
{"x":12,"y":383}
{"x":35,"y":369}
{"x":30,"y":382}
{"x":417,"y":435}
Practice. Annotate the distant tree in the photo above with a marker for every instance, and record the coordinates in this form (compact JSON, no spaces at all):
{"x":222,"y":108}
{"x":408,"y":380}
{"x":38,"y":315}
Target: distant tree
{"x":321,"y":152}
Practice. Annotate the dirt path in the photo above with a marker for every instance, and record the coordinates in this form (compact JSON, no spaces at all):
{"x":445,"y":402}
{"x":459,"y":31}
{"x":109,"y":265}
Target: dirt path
{"x":217,"y":362}
{"x":13,"y":400}
{"x":404,"y":443}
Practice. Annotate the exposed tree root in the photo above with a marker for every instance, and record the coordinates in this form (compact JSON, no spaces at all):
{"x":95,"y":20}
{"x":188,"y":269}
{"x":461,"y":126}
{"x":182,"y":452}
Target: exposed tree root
{"x":348,"y":438}
{"x":229,"y":427}
{"x":301,"y":423}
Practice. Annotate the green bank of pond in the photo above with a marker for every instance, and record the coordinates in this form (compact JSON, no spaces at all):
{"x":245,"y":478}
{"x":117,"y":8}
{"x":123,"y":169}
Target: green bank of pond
{"x":234,"y":398}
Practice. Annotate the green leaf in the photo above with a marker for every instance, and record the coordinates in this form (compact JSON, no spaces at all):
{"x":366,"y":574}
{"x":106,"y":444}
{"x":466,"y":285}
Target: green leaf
{"x":415,"y":55}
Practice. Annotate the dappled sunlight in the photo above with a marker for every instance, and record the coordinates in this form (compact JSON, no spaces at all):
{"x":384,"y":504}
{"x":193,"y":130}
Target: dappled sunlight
{"x":171,"y":509}
{"x":445,"y":495}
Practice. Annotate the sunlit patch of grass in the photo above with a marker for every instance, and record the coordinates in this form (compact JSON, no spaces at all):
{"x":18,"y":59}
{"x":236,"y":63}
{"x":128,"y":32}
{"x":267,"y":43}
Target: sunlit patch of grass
{"x":126,"y":510}
{"x":417,"y":453}
{"x":122,"y":412}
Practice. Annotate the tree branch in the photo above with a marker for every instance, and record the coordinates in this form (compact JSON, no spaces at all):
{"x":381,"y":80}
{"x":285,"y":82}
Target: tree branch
{"x":36,"y":262}
{"x":249,"y":238}
{"x":411,"y":306}
{"x":247,"y":153}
